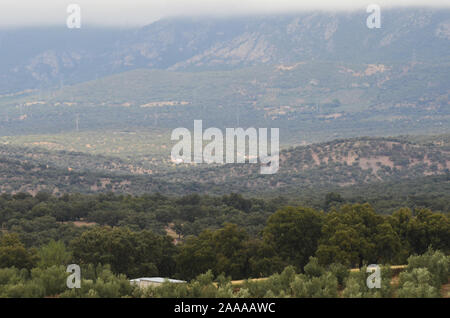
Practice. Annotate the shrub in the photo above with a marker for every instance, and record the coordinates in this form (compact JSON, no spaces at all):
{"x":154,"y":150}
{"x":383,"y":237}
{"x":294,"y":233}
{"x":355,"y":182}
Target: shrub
{"x":324,"y":286}
{"x":340,"y":271}
{"x":437,"y":264}
{"x":356,"y":284}
{"x":418,"y":283}
{"x":313,"y":269}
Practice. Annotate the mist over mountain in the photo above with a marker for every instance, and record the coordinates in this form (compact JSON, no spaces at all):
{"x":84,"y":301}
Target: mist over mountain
{"x":43,"y":58}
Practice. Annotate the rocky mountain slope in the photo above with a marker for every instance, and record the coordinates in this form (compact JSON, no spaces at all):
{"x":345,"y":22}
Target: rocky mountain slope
{"x":49,"y":57}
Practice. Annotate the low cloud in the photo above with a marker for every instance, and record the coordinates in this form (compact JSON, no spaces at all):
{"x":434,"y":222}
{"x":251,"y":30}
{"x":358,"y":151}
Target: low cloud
{"x":139,"y":12}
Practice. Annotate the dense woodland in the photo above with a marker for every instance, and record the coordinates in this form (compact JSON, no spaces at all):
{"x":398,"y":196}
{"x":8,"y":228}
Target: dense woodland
{"x":118,"y":237}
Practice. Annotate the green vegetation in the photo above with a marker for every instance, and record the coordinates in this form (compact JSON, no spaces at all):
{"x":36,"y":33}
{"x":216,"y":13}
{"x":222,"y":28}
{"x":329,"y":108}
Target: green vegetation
{"x":115,"y":238}
{"x":424,"y":275}
{"x":144,"y":148}
{"x":314,"y":100}
{"x":376,"y":170}
{"x":316,"y":281}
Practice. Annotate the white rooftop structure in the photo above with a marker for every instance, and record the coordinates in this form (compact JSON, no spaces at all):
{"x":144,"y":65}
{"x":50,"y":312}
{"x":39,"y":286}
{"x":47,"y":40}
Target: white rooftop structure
{"x":148,"y":281}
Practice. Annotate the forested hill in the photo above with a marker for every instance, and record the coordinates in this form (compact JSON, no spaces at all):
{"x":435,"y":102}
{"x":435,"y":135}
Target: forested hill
{"x":339,"y":163}
{"x":336,"y":163}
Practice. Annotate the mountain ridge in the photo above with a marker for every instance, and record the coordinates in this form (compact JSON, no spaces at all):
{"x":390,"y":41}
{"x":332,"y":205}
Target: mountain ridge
{"x":182,"y":44}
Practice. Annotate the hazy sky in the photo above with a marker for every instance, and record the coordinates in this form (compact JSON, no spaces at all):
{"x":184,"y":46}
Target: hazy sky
{"x":140,"y":12}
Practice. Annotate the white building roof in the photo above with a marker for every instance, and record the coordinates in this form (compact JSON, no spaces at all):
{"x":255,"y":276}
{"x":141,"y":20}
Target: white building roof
{"x":156,"y":280}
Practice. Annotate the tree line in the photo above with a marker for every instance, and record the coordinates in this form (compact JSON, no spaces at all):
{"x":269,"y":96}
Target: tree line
{"x":348,"y":235}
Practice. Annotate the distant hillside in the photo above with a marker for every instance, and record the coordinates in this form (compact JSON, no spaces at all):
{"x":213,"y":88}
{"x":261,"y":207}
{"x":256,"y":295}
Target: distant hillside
{"x":442,"y":141}
{"x":326,"y":166}
{"x":336,"y":163}
{"x":44,"y":57}
{"x":72,"y":161}
{"x":23,"y":174}
{"x":310,"y":101}
{"x":144,"y":151}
